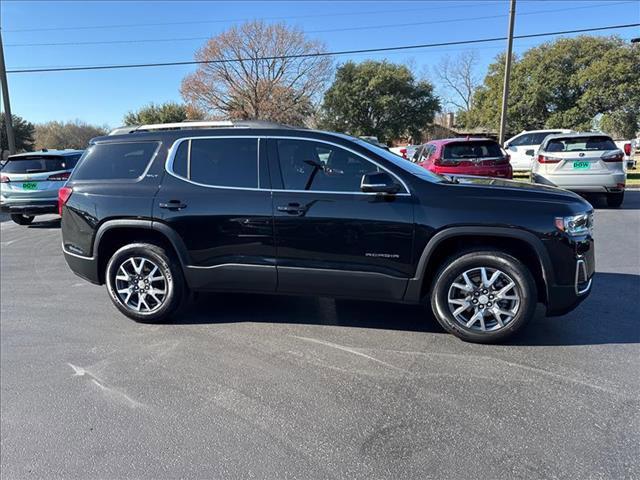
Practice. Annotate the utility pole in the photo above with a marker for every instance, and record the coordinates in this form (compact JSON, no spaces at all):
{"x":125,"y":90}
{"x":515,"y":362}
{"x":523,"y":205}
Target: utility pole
{"x":11,"y":140}
{"x":507,"y":73}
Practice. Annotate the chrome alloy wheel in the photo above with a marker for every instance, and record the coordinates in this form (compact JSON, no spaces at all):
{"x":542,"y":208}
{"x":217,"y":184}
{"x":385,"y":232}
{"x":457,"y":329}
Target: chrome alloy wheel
{"x":483,"y":299}
{"x":141,"y":285}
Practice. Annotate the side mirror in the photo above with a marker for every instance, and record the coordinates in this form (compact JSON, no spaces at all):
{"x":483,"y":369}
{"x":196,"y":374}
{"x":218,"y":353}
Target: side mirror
{"x":378,"y":182}
{"x":507,"y":146}
{"x":530,"y":153}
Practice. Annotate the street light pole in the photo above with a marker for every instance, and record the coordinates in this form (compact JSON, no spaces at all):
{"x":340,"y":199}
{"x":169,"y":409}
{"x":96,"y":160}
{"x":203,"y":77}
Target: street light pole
{"x":11,"y":140}
{"x":507,"y":73}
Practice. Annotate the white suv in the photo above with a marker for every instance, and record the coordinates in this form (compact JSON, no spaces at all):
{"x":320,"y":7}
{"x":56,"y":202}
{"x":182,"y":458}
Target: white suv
{"x":522,"y":148}
{"x":582,"y":162}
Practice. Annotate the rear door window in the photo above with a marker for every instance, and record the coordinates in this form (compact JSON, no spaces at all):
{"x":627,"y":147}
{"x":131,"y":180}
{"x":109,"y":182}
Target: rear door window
{"x":40,"y":164}
{"x":531,"y":138}
{"x":224,"y":162}
{"x":471,"y":150}
{"x":115,"y":161}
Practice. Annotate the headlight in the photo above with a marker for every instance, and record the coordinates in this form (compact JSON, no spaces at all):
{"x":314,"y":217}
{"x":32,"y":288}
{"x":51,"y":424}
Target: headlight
{"x":576,"y":225}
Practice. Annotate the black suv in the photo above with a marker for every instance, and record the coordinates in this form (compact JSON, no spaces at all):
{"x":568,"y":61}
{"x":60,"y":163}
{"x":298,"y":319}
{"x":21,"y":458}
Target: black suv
{"x":156,"y":212}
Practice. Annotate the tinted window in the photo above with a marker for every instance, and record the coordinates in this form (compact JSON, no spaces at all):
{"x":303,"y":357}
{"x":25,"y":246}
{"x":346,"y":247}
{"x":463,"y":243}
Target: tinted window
{"x":225,"y":162}
{"x":531,"y":138}
{"x":308,"y":165}
{"x":462,"y":150}
{"x":580,"y":144}
{"x":109,"y":161}
{"x":416,"y":155}
{"x":180,"y":160}
{"x":38,"y":164}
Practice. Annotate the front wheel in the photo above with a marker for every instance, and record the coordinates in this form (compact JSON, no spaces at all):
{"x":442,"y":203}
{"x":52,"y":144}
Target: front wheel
{"x":484,"y":296}
{"x":145,"y":282}
{"x":614,"y":200}
{"x":22,"y":219}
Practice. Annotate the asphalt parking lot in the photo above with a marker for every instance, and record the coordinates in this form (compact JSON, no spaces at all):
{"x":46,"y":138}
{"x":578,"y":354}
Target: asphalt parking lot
{"x":248,"y":386}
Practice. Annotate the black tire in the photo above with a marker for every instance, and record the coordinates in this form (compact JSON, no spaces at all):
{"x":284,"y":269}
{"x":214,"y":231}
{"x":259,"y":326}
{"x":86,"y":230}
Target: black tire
{"x":170,"y":269}
{"x":525,"y":288}
{"x":22,"y":219}
{"x":614,"y":200}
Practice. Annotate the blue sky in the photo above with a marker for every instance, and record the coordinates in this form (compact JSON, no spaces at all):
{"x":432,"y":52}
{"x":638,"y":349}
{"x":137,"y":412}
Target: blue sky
{"x":103,"y":97}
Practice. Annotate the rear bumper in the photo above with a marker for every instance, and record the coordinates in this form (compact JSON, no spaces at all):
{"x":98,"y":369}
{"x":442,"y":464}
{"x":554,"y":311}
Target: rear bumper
{"x":84,"y":267}
{"x":29,"y":207}
{"x":583,"y":183}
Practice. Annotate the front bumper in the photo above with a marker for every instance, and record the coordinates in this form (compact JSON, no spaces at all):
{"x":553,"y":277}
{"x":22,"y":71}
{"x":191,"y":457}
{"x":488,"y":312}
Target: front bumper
{"x":564,"y":298}
{"x":32,"y":207}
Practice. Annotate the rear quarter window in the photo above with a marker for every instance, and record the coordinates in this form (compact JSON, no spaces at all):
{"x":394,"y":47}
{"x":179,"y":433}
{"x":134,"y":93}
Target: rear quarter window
{"x":115,"y":161}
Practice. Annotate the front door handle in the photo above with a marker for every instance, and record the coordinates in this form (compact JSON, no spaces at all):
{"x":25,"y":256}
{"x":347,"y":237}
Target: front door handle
{"x":173,"y":205}
{"x":292,"y":209}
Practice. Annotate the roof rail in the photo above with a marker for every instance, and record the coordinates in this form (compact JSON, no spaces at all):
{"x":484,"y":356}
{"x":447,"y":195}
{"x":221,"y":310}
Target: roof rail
{"x":199,"y":124}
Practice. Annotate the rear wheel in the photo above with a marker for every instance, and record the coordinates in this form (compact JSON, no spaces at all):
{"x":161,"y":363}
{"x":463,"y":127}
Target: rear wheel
{"x":22,"y":219}
{"x":614,"y":200}
{"x":484,"y":296}
{"x":145,"y":283}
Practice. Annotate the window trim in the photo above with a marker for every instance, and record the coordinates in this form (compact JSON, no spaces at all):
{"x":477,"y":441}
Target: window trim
{"x":174,"y":148}
{"x":144,"y":173}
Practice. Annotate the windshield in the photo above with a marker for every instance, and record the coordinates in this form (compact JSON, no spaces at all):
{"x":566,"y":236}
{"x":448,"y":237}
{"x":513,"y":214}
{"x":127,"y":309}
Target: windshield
{"x":39,"y":164}
{"x":402,"y":163}
{"x":580,"y":144}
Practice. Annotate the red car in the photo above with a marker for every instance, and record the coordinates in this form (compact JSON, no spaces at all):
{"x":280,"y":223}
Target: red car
{"x":465,"y":156}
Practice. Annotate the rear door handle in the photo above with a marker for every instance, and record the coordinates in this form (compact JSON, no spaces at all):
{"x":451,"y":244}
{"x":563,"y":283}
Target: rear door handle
{"x":173,"y":205}
{"x":292,"y":209}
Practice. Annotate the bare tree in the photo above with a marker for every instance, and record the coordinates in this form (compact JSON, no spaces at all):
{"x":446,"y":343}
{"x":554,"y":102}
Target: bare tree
{"x":255,"y":71}
{"x":458,"y":79}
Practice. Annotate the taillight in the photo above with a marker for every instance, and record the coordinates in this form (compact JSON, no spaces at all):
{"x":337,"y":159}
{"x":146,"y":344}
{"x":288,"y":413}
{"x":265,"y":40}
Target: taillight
{"x":4,"y":179}
{"x":627,"y":149}
{"x":403,"y":152}
{"x":63,"y":195}
{"x":546,"y":159}
{"x":59,"y":177}
{"x":445,"y":162}
{"x":613,"y":157}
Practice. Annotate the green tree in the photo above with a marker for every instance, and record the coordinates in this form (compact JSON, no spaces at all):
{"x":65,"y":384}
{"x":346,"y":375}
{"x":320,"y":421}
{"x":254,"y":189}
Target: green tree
{"x":169,"y":112}
{"x":23,"y":132}
{"x":62,"y":135}
{"x":566,"y":83}
{"x":620,"y":124}
{"x":380,"y":99}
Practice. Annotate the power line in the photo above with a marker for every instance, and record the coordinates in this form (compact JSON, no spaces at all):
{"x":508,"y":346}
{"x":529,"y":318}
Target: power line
{"x":204,"y":22}
{"x":369,"y":27}
{"x":319,"y":54}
